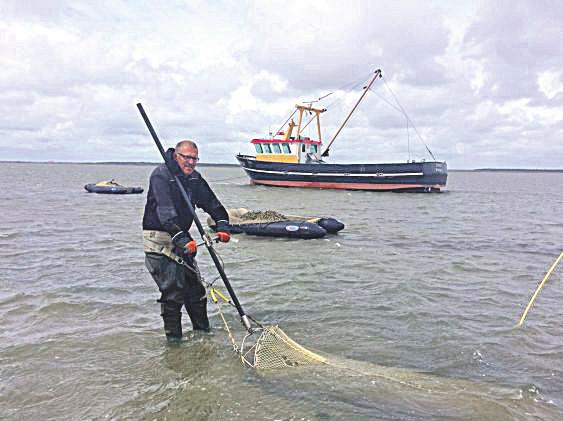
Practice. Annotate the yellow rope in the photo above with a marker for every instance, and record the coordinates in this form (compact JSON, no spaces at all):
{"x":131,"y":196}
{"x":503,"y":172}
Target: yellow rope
{"x":214,"y":293}
{"x":538,"y":289}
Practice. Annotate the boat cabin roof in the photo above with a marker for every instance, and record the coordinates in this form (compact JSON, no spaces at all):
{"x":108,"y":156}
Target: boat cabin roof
{"x":305,"y":141}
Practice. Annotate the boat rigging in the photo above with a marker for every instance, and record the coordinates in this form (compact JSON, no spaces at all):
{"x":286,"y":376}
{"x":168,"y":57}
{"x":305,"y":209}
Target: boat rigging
{"x":366,"y":89}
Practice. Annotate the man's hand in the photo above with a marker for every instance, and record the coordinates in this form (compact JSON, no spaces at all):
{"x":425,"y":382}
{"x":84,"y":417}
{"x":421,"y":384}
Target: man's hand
{"x":222,"y":229}
{"x":223,"y":236}
{"x":191,"y":247}
{"x":184,"y":244}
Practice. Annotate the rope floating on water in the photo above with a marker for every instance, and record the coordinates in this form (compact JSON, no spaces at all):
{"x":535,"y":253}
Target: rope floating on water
{"x":551,"y":269}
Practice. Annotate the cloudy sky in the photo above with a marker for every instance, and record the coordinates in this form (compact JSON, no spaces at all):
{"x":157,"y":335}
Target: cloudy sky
{"x":482,"y":81}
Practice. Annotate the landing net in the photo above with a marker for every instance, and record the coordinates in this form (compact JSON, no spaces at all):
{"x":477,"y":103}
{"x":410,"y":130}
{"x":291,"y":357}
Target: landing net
{"x":270,"y":348}
{"x":274,"y":349}
{"x":267,"y":347}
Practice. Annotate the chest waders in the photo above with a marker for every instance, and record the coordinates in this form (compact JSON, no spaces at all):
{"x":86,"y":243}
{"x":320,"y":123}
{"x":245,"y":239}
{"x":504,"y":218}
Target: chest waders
{"x":179,"y":282}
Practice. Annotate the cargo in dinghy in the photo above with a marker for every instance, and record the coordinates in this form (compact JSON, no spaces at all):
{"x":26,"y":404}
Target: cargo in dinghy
{"x":111,"y":187}
{"x":274,"y":224}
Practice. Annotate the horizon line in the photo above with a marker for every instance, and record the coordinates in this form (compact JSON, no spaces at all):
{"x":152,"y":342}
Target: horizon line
{"x":218,"y":164}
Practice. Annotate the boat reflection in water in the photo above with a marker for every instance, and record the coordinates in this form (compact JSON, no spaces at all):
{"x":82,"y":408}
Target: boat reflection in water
{"x":289,"y":160}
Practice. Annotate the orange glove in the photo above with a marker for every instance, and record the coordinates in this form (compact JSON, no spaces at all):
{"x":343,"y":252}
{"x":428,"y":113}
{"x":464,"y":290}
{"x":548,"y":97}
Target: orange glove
{"x":191,"y":247}
{"x":223,"y":236}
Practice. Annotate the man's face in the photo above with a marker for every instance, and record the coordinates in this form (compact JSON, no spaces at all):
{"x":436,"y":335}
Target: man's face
{"x":187,"y":158}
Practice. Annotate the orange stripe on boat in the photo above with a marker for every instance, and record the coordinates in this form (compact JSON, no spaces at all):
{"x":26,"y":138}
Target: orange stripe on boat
{"x":345,"y":186}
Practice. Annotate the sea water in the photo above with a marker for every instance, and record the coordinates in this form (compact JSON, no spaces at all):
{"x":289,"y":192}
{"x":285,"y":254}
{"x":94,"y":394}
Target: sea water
{"x":420,"y":293}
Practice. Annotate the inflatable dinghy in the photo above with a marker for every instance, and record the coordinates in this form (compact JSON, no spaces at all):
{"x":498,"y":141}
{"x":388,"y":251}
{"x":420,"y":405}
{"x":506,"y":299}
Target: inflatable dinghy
{"x":274,"y":224}
{"x":111,"y":187}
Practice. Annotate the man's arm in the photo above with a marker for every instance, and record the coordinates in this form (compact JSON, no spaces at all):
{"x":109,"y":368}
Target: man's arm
{"x":165,"y":209}
{"x":207,"y":201}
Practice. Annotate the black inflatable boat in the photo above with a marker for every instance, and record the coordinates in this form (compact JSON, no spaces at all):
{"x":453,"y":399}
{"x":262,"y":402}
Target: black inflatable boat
{"x":111,"y":187}
{"x":274,"y":224}
{"x":291,"y":229}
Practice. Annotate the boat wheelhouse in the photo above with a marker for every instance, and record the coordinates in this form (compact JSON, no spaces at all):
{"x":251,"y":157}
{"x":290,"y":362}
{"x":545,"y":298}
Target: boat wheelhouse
{"x":285,"y":147}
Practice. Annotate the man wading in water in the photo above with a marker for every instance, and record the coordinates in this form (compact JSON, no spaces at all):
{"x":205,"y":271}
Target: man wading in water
{"x":169,"y":249}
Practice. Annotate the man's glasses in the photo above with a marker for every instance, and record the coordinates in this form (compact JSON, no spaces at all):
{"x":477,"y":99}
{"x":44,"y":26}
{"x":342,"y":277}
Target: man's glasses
{"x":187,"y":157}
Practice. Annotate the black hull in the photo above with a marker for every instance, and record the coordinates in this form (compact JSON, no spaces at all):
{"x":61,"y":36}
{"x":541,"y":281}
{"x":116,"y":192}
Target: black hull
{"x":291,"y":229}
{"x":401,"y":177}
{"x":92,"y":188}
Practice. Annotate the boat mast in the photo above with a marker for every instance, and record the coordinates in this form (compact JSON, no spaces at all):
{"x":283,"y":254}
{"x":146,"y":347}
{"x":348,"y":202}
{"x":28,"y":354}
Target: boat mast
{"x":317,"y":112}
{"x":366,"y":89}
{"x":289,"y":130}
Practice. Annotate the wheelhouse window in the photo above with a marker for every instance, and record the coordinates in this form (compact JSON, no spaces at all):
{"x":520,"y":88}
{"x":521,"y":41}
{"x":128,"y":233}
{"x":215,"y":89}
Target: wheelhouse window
{"x":285,"y":147}
{"x":258,"y":147}
{"x":267,"y":148}
{"x":276,"y":147}
{"x":313,"y":148}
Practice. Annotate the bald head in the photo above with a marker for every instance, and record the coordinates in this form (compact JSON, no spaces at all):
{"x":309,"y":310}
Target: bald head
{"x":186,"y":156}
{"x":185,"y":144}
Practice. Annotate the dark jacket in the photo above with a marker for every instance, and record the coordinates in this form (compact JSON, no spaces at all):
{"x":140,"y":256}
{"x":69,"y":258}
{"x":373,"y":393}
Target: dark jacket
{"x":166,"y":209}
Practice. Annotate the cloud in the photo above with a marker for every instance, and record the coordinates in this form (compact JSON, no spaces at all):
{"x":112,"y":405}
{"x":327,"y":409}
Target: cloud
{"x":482,"y":81}
{"x":515,"y":42}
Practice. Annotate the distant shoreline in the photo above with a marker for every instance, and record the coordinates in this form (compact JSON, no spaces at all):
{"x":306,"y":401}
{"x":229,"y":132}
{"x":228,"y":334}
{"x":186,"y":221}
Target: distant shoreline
{"x":201,"y":164}
{"x":508,"y":170}
{"x":210,"y":164}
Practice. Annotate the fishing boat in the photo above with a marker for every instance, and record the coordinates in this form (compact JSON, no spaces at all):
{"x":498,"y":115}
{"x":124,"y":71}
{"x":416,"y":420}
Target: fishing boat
{"x":290,"y":159}
{"x":111,"y":187}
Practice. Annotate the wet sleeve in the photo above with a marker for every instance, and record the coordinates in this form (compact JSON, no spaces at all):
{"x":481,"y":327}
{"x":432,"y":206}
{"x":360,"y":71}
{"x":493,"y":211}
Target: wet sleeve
{"x":207,"y":201}
{"x":165,"y":209}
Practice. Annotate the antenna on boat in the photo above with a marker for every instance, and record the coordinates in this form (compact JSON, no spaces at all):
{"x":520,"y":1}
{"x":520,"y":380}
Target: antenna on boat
{"x":366,"y":89}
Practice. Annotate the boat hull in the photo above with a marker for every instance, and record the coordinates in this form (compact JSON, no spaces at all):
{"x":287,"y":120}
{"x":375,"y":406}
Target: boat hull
{"x":289,"y":229}
{"x":292,"y":226}
{"x":92,"y":188}
{"x":399,"y":177}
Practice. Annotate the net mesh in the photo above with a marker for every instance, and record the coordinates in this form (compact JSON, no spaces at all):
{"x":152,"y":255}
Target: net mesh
{"x":274,"y":349}
{"x":270,"y":348}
